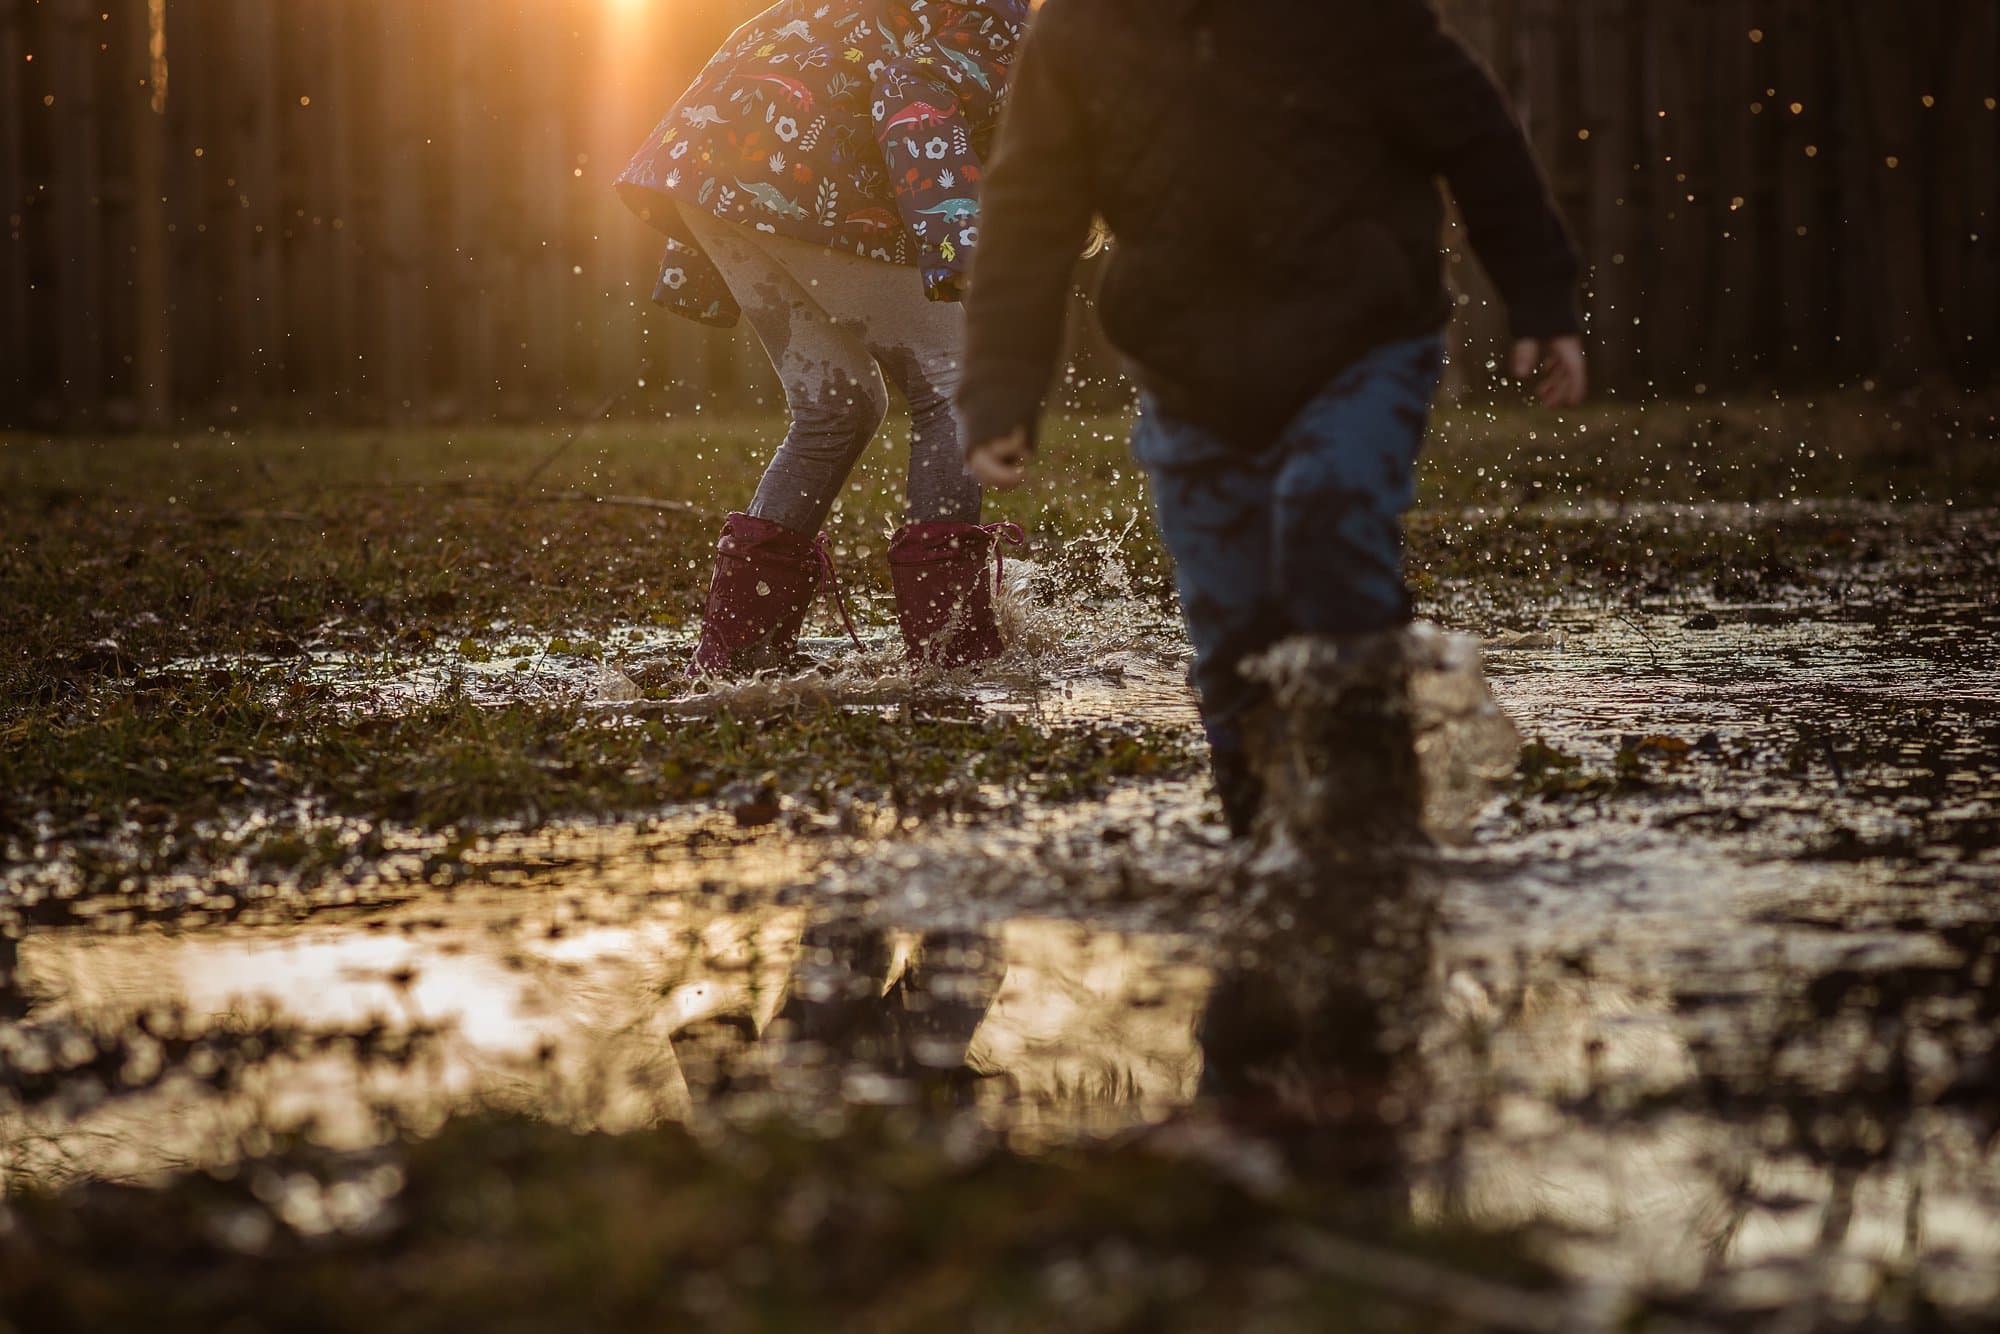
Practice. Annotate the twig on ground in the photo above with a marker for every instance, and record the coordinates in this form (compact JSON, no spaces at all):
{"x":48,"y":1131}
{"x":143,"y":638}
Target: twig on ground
{"x":546,"y":459}
{"x":1651,"y":651}
{"x":241,"y":516}
{"x":632,"y":502}
{"x":755,"y":701}
{"x":509,"y":492}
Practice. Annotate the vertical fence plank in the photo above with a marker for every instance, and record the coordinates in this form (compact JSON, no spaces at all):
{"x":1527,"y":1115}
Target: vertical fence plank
{"x":471,"y":208}
{"x":577,"y":251}
{"x":419,"y":241}
{"x":1686,"y":178}
{"x":1729,"y":130}
{"x":75,"y":183}
{"x":1937,"y":168}
{"x":152,"y":366}
{"x":1976,"y":98}
{"x":1653,"y":185}
{"x":114,"y":199}
{"x":14,"y":360}
{"x":366,"y":377}
{"x":615,"y":261}
{"x":237,"y":56}
{"x":259,"y":187}
{"x":1804,"y":150}
{"x":547,"y":184}
{"x":479,"y":203}
{"x":310,"y":108}
{"x":1859,"y":296}
{"x":398,"y":247}
{"x":193,"y":296}
{"x":307,"y":111}
{"x":1950,"y":124}
{"x":228,"y":220}
{"x":504,"y":226}
{"x":1613,"y":237}
{"x":343,"y":26}
{"x":1666,"y":307}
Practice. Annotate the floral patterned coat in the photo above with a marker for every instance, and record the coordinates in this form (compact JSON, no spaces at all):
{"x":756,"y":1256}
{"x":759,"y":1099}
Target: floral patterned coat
{"x":855,"y":124}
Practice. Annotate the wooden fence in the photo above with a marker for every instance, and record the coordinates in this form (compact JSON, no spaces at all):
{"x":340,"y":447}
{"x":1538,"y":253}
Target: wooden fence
{"x":367,"y":210}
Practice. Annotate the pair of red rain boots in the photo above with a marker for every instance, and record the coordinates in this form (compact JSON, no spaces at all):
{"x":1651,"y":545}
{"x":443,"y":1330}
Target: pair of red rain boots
{"x":766,"y":577}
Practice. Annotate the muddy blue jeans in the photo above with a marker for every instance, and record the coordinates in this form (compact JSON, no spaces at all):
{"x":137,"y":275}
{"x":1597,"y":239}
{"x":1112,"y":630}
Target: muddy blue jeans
{"x":1303,"y":537}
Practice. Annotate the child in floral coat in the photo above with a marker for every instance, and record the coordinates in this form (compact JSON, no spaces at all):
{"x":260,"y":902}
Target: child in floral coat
{"x":828,"y":150}
{"x":1269,"y":172}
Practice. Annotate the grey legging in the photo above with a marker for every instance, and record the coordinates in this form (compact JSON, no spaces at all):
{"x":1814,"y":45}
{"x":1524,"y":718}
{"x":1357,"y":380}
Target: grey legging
{"x":834,"y":324}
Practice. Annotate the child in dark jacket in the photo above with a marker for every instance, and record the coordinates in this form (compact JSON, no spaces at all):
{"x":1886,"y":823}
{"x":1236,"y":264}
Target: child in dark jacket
{"x":1269,"y":173}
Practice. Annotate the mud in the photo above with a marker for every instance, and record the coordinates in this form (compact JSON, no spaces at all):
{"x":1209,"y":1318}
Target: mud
{"x":1703,"y":1008}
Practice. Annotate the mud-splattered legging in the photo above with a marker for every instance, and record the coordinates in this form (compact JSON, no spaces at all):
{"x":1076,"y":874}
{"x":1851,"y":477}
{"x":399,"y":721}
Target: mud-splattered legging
{"x":834,"y":324}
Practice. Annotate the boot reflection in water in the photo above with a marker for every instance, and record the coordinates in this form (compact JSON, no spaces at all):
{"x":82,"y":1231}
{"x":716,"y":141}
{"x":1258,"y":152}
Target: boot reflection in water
{"x":847,"y":1018}
{"x":1310,"y":1038}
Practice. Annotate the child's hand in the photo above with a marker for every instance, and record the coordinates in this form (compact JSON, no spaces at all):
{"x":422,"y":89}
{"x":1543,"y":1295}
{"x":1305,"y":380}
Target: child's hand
{"x":1561,"y":362}
{"x":1000,"y":465}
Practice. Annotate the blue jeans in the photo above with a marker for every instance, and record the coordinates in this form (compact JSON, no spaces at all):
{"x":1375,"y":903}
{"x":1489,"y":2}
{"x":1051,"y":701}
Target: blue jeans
{"x":1302,"y":537}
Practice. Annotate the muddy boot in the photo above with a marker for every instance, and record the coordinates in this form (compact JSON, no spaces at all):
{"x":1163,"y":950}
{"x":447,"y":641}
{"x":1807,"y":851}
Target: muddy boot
{"x":945,"y":578}
{"x":1335,"y":747}
{"x":766,"y":576}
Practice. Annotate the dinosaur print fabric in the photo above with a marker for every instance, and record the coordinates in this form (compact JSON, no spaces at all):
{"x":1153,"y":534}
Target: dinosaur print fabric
{"x":855,"y":124}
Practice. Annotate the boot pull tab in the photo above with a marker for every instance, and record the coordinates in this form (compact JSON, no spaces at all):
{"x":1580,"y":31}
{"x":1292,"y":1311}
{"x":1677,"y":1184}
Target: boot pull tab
{"x":1004,"y":534}
{"x":830,"y":577}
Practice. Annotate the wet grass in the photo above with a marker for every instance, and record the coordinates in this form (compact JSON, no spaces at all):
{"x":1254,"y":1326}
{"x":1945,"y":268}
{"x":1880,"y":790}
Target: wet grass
{"x":197,"y":747}
{"x":258,"y":777}
{"x":128,"y":565}
{"x":122,"y":555}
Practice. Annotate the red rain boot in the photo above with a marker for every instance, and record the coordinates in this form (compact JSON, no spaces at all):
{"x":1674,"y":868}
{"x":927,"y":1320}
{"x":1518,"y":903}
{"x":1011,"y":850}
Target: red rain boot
{"x":945,"y":580}
{"x":766,"y":576}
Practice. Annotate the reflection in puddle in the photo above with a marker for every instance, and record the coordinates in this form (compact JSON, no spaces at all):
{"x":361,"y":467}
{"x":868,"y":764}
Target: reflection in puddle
{"x":613,"y":1007}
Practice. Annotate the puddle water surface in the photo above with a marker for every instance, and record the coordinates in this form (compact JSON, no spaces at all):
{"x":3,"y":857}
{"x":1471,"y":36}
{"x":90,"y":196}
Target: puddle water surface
{"x":1709,"y":1000}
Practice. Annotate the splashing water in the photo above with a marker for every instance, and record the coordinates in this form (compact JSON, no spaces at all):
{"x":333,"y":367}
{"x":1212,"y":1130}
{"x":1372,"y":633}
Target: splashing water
{"x":1464,"y":746}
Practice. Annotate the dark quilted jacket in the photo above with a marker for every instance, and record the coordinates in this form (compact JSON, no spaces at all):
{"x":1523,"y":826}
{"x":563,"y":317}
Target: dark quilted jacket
{"x":857,"y":124}
{"x":1269,"y":171}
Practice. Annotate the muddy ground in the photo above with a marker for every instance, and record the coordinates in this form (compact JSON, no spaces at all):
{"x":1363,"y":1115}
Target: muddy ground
{"x":390,"y":940}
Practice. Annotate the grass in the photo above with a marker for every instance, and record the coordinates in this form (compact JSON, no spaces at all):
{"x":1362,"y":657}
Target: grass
{"x":195,"y":747}
{"x":159,"y":779}
{"x":126,"y":562}
{"x":217,"y":543}
{"x":156,"y":601}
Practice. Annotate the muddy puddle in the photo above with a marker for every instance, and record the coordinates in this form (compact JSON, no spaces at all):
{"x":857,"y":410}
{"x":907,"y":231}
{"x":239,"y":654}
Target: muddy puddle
{"x":1709,"y":1001}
